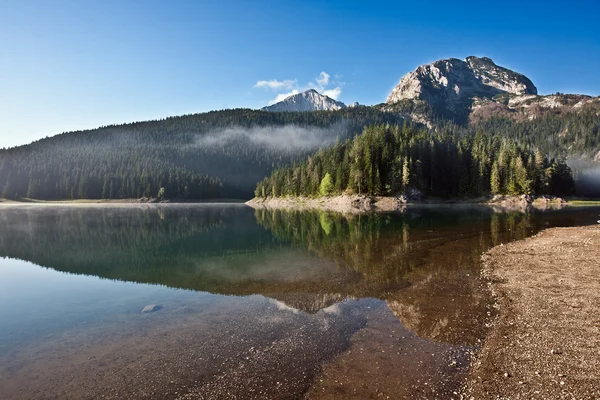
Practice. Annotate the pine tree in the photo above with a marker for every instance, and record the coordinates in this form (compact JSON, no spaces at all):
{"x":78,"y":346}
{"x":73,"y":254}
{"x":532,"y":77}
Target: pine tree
{"x":405,"y":176}
{"x":326,"y":186}
{"x":522,"y":183}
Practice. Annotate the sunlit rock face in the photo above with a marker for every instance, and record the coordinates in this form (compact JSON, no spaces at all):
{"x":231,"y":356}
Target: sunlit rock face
{"x":475,"y":90}
{"x":455,"y":80}
{"x":310,"y":100}
{"x":503,"y":79}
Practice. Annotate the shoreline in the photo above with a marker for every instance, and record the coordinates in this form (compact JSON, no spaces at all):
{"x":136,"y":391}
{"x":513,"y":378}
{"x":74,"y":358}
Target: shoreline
{"x":345,"y":204}
{"x":545,"y":342}
{"x":356,"y":204}
{"x":142,"y":201}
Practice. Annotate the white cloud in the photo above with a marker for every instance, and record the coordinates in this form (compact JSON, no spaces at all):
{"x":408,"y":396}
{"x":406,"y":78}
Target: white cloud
{"x":283,"y":96}
{"x":276,"y":85}
{"x":323,"y":83}
{"x":333,"y":93}
{"x":323,"y":79}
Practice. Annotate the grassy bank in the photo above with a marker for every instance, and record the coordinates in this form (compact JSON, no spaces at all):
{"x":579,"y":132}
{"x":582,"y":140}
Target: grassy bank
{"x":584,"y":203}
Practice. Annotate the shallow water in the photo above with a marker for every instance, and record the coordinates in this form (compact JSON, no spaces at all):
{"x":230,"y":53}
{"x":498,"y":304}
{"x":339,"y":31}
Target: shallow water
{"x":253,"y":304}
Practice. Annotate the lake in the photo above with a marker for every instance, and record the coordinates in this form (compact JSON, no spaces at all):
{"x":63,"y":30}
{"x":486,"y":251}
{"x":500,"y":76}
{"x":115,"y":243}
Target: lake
{"x":249,"y":303}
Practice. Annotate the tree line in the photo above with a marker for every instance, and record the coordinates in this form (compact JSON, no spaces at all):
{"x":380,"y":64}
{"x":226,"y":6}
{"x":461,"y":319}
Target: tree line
{"x":391,"y":159}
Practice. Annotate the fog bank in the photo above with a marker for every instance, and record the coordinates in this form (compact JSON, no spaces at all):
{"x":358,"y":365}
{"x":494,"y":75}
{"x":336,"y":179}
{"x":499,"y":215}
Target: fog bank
{"x":587,"y":177}
{"x":286,"y":137}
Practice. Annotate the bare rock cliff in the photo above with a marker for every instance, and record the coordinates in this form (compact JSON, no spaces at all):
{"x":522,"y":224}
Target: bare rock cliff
{"x":455,"y":82}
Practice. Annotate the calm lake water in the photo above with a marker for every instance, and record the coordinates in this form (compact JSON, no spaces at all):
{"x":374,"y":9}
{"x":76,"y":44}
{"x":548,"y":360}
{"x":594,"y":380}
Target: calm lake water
{"x":251,"y":304}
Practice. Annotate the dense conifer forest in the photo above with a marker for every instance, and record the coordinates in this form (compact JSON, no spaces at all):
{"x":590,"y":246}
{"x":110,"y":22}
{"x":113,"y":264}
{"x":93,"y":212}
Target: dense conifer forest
{"x":555,"y":133}
{"x":223,"y":154}
{"x":388,"y":160}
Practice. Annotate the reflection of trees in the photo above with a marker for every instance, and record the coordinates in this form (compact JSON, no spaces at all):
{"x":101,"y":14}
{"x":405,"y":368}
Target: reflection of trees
{"x":385,"y":247}
{"x":163,"y":245}
{"x":424,"y":263}
{"x":354,"y":243}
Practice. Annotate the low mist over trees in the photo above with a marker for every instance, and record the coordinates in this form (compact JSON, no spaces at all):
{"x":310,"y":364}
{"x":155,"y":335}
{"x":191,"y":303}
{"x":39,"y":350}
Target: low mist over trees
{"x":220,"y":154}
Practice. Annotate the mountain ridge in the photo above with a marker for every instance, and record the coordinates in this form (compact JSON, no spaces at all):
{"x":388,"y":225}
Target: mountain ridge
{"x":309,"y":100}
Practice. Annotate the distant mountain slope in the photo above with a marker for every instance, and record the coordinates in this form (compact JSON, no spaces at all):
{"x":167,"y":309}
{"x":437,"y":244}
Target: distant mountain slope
{"x":310,"y":100}
{"x":219,"y":154}
{"x":528,"y":107}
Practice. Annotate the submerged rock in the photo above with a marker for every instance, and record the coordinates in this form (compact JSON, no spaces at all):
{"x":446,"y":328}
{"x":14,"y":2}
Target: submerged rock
{"x":151,"y":308}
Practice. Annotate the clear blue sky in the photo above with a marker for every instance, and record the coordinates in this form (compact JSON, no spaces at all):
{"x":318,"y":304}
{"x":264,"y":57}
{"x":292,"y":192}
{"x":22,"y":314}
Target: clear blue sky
{"x":68,"y":65}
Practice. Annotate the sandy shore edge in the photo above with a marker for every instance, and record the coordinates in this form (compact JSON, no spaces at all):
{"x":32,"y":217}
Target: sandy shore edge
{"x":545,"y":343}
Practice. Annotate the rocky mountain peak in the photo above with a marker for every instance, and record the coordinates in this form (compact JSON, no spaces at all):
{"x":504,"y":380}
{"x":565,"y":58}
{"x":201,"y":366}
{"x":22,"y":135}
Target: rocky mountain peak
{"x":453,"y":83}
{"x":309,"y":100}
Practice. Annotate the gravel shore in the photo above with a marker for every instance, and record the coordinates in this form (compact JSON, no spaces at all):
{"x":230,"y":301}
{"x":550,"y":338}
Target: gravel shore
{"x":356,"y":204}
{"x":545,"y":343}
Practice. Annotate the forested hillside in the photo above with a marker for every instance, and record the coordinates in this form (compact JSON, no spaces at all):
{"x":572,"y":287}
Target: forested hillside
{"x":553,"y":132}
{"x":387,"y":160}
{"x":573,"y":135}
{"x":487,"y":131}
{"x":220,"y":154}
{"x":223,"y":154}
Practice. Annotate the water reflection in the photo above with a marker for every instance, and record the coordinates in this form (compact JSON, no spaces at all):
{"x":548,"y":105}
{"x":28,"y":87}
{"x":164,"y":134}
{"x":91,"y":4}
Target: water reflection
{"x":423,"y":262}
{"x":327,"y":283}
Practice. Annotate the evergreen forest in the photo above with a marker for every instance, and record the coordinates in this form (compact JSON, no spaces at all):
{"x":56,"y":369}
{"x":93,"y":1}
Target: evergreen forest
{"x":224,"y":154}
{"x":219,"y":154}
{"x":393,"y":159}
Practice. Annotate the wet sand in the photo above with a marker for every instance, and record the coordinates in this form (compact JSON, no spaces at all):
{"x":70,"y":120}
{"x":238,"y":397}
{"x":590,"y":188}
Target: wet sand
{"x":545,"y":343}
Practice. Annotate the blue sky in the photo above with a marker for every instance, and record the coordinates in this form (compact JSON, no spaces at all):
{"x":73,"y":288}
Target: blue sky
{"x":77,"y":64}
